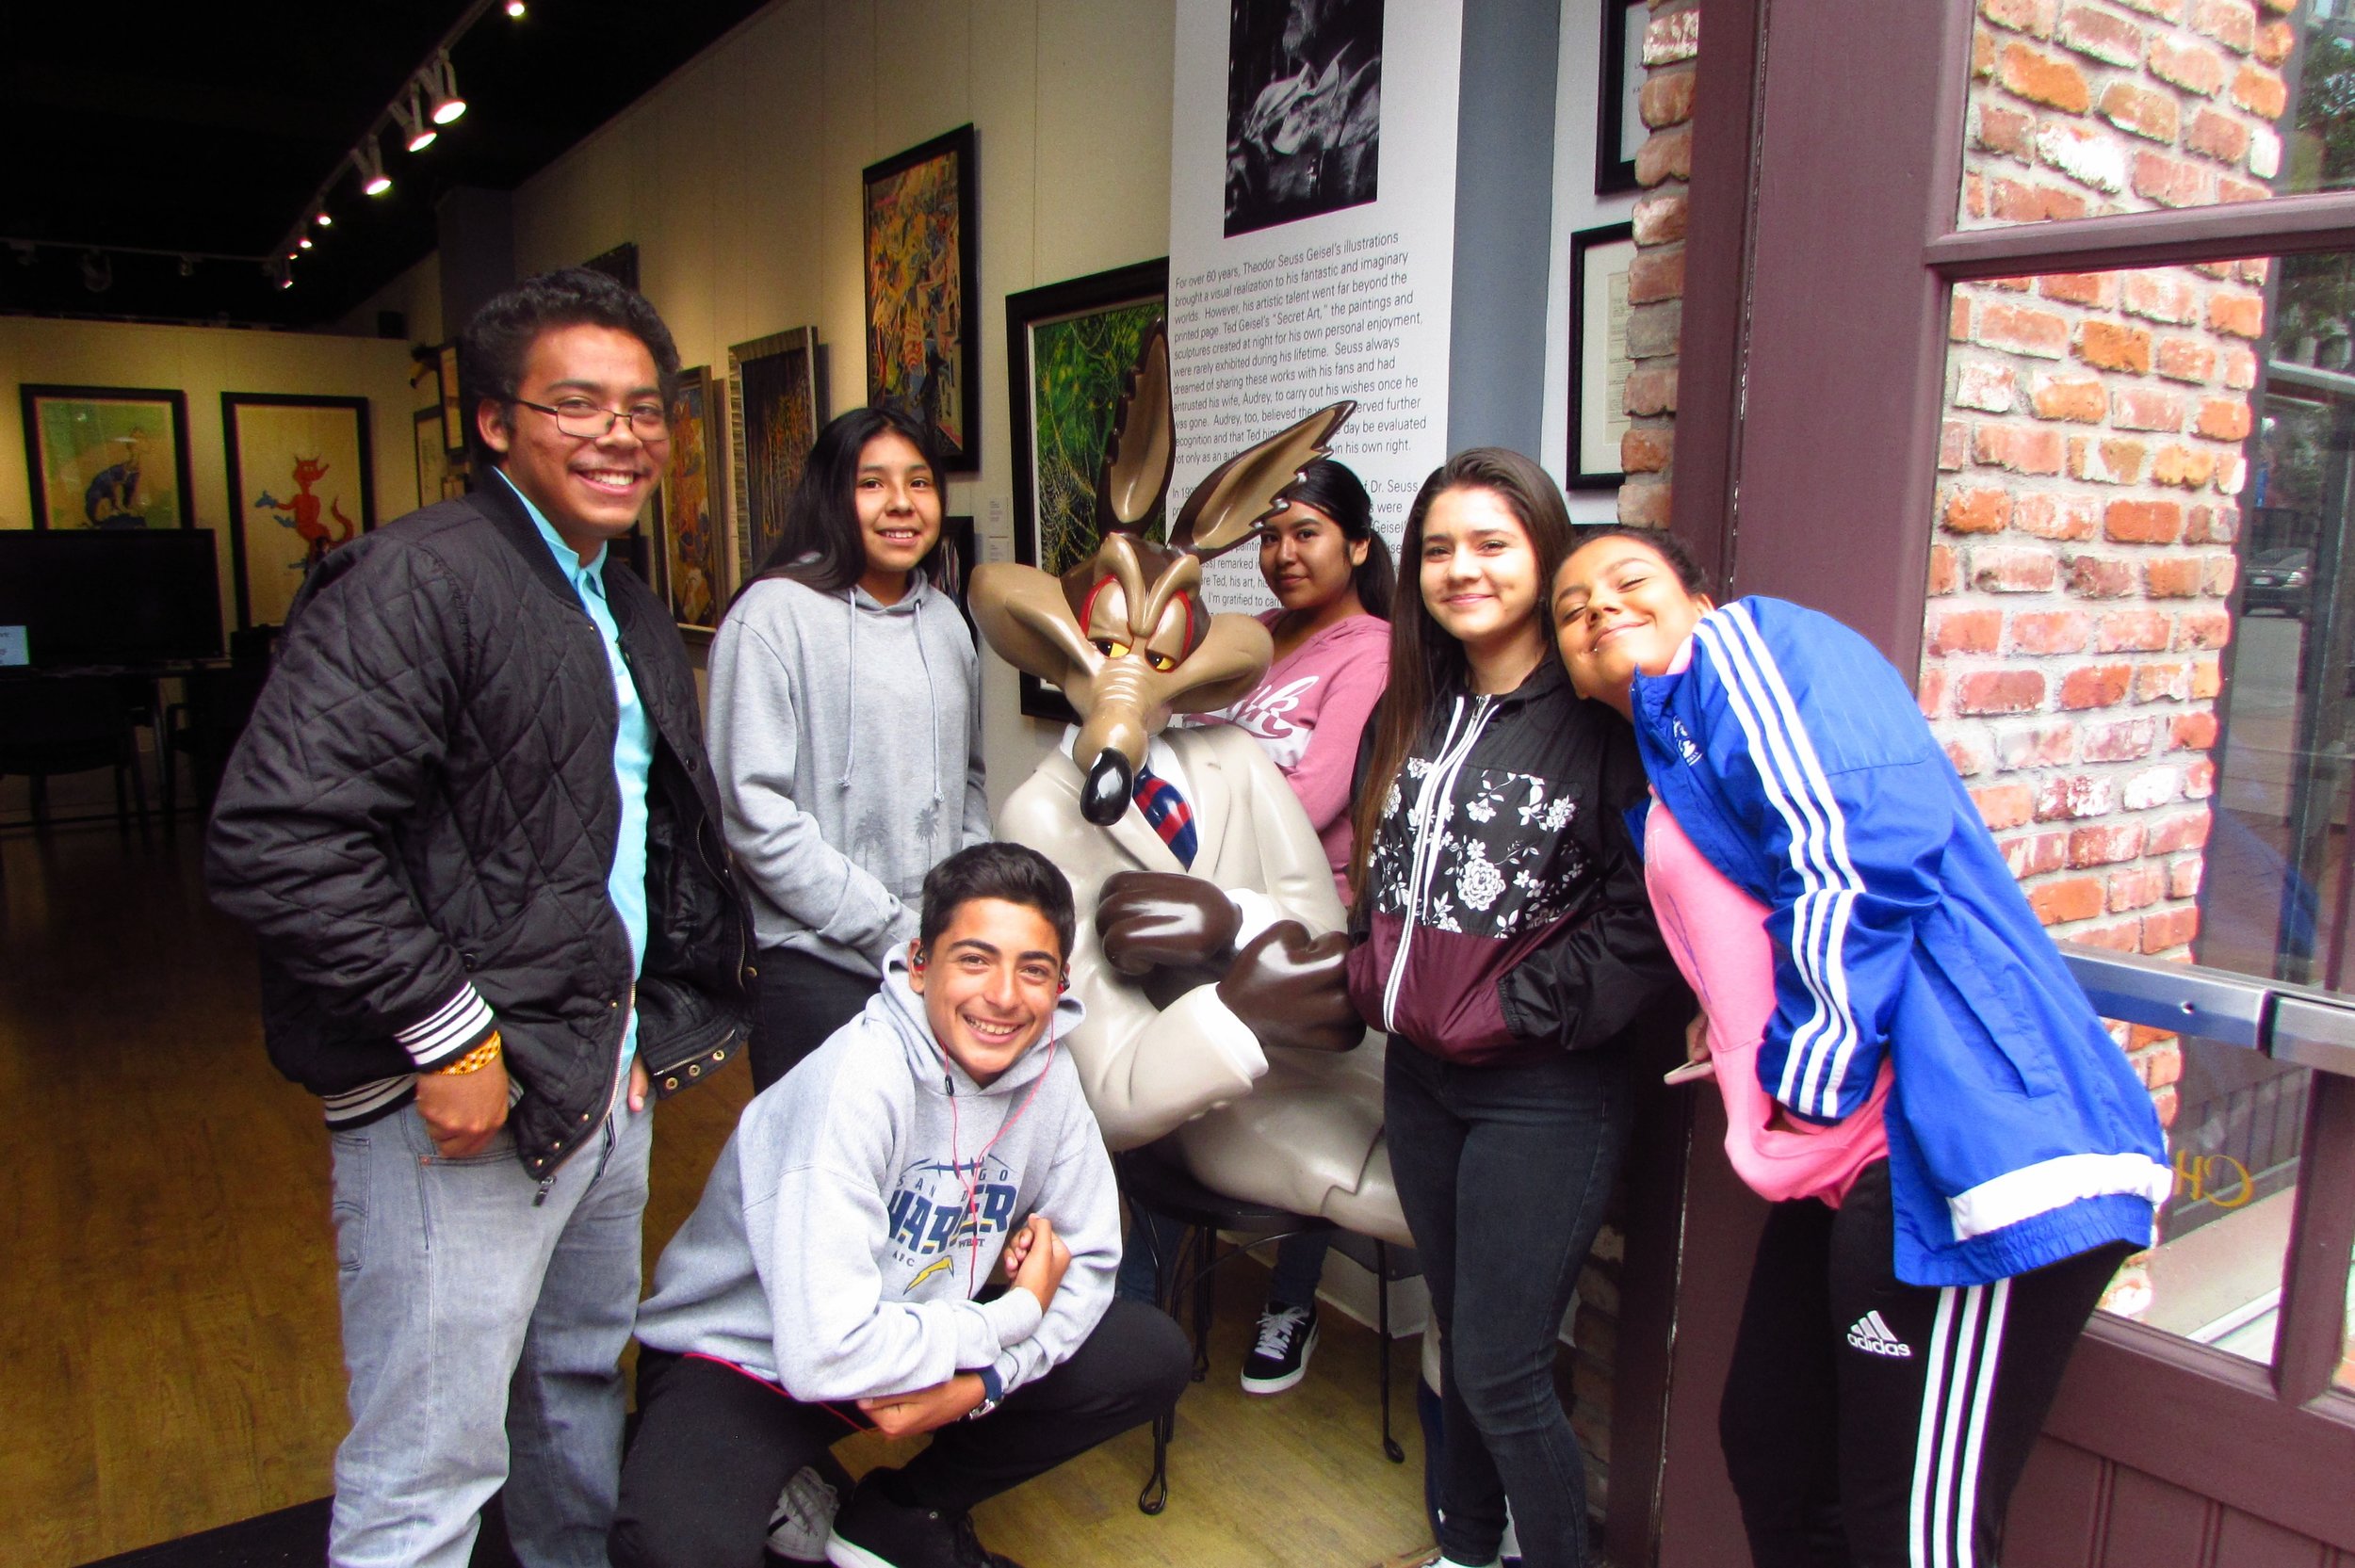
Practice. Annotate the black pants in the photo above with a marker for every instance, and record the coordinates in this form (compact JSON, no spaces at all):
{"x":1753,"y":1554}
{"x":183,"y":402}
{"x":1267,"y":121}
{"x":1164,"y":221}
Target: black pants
{"x":802,"y":1000}
{"x":1504,"y":1172}
{"x":1872,"y":1423}
{"x":715,"y":1447}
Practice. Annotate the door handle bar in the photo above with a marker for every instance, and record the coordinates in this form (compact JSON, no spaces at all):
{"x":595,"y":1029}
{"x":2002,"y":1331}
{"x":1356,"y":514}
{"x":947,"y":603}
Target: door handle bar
{"x":2300,"y":1024}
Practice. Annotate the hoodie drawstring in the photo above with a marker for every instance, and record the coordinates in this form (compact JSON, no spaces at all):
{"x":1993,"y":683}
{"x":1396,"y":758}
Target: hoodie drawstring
{"x":850,"y":701}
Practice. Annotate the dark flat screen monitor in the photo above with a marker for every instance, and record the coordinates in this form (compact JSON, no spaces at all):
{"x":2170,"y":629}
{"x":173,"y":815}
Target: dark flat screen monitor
{"x":87,"y":597}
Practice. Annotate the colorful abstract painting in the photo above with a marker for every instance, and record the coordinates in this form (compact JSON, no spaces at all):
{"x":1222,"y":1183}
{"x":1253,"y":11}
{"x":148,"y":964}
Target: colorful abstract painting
{"x":688,"y":520}
{"x":921,"y":342}
{"x":300,"y":485}
{"x":776,"y":403}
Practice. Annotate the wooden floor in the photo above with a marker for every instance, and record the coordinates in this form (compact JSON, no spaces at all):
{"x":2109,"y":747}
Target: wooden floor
{"x":167,"y":1337}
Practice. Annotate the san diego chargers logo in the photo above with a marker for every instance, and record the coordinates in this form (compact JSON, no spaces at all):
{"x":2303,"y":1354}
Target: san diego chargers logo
{"x":931,"y":1220}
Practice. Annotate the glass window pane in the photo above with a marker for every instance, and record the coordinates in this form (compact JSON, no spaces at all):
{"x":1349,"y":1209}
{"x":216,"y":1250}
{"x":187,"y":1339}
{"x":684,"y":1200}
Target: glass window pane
{"x":2139,"y":650}
{"x":2082,"y":108}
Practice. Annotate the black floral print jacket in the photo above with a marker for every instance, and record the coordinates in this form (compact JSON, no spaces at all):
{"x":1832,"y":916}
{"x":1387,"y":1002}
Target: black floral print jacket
{"x":1503,"y":916}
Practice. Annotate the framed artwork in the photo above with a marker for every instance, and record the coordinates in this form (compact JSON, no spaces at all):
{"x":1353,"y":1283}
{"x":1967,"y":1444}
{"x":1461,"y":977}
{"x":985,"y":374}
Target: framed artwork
{"x":432,"y":457}
{"x":687,"y":510}
{"x":1618,"y":119}
{"x":957,"y":558}
{"x":106,"y":457}
{"x":453,"y":417}
{"x":922,"y":280}
{"x":1600,"y":259}
{"x":1304,"y":110}
{"x":1068,"y":348}
{"x":776,"y":401}
{"x":299,"y":487}
{"x":619,"y":263}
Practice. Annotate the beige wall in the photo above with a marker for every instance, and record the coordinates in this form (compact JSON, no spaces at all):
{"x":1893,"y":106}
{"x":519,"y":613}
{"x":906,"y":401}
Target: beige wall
{"x":203,"y":363}
{"x":738,"y":179}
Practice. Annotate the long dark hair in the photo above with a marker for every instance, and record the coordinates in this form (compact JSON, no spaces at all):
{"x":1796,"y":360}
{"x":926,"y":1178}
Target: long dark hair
{"x":822,"y":546}
{"x":1335,"y":490}
{"x":1427,"y":665}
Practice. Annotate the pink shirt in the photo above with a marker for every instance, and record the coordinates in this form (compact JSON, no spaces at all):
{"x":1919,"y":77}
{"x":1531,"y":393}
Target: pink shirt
{"x":1717,"y":934}
{"x":1308,"y":714}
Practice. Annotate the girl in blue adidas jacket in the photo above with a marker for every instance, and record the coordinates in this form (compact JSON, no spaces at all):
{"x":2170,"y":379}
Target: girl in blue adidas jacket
{"x":1907,"y":1326}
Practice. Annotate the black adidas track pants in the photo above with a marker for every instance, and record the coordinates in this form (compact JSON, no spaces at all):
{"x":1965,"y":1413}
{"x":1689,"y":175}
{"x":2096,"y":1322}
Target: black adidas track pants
{"x":1868,"y":1423}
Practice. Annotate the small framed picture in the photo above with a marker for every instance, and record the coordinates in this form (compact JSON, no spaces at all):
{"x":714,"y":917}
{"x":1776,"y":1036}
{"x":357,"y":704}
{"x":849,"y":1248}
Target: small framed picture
{"x":1069,"y":348}
{"x":300,"y":485}
{"x":454,"y":415}
{"x":1600,"y":259}
{"x":432,"y":457}
{"x":1620,"y":121}
{"x":776,"y":403}
{"x":108,"y":456}
{"x":692,"y":557}
{"x":923,"y":269}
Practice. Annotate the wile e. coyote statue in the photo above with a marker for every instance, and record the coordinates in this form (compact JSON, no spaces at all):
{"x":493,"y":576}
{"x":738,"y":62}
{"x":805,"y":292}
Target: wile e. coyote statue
{"x":1210,"y":965}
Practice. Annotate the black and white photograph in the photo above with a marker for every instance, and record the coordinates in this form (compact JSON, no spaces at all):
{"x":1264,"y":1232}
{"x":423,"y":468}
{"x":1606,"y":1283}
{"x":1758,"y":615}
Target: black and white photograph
{"x":1304,"y":110}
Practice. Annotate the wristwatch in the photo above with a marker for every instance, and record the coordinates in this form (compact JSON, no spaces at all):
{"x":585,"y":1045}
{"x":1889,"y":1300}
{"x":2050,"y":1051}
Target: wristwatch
{"x":993,"y":1392}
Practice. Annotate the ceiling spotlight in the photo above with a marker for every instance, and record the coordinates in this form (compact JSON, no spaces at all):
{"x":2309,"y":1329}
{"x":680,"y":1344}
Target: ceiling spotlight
{"x":514,"y":8}
{"x":441,"y":91}
{"x":303,"y":244}
{"x":369,"y":158}
{"x":24,"y":249}
{"x":323,"y":219}
{"x":286,"y":279}
{"x":188,"y":266}
{"x":416,"y":130}
{"x":98,"y":273}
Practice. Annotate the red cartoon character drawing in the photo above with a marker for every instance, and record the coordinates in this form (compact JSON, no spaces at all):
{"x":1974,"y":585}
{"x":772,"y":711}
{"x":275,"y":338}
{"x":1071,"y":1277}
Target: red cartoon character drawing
{"x":301,"y":513}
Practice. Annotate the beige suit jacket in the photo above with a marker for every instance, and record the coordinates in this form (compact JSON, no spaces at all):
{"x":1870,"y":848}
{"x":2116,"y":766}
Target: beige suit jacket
{"x":1301,"y":1131}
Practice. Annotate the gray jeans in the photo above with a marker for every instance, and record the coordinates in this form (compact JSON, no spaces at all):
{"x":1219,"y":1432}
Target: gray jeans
{"x":483,"y":1332}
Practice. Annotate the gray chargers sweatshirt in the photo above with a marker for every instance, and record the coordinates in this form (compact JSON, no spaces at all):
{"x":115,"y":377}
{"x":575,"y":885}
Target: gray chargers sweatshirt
{"x":862,"y":1200}
{"x":846,"y":735}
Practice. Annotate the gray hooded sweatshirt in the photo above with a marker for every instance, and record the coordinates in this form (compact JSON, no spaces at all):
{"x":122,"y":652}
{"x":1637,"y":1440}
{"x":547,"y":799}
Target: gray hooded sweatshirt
{"x":836,"y":1250}
{"x":846,"y":736}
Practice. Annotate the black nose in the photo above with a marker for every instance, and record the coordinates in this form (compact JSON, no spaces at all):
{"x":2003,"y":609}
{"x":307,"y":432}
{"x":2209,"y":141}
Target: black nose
{"x":1104,"y":795}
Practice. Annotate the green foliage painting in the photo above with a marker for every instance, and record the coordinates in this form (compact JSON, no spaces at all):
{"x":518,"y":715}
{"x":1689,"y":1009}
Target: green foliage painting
{"x":1076,"y":370}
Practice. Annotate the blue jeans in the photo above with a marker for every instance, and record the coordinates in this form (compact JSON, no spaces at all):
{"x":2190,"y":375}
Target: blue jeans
{"x":1504,"y":1173}
{"x":483,"y":1326}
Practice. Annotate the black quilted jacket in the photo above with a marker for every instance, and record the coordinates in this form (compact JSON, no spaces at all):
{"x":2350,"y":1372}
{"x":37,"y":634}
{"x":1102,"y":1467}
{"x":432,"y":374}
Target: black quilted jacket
{"x":420,"y":821}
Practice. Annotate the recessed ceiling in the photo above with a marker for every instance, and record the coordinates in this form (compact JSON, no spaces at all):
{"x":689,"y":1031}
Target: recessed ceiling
{"x":196,"y":130}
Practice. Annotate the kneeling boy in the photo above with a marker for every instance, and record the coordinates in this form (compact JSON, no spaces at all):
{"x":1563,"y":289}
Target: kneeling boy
{"x":838,"y":1271}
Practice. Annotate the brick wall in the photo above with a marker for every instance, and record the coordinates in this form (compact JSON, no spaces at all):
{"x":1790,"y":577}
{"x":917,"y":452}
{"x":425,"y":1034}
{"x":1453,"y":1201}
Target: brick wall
{"x":2093,"y":457}
{"x":1663,"y":166}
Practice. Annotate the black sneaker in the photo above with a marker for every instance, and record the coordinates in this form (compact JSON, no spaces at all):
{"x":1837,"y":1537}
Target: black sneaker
{"x":1288,"y":1336}
{"x":872,"y":1531}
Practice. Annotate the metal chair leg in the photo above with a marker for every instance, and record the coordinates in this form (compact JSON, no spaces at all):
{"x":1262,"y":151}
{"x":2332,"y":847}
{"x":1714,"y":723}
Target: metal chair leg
{"x":1390,"y":1450}
{"x":1205,"y":1257}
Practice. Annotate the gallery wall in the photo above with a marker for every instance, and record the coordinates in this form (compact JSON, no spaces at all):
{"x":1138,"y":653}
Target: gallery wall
{"x":738,"y":179}
{"x":202,"y":363}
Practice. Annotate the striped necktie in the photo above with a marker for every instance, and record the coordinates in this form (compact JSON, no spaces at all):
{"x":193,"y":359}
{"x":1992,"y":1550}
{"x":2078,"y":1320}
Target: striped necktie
{"x":1167,"y":810}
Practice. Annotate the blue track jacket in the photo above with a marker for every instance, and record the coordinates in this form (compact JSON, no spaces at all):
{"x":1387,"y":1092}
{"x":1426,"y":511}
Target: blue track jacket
{"x":1796,"y":760}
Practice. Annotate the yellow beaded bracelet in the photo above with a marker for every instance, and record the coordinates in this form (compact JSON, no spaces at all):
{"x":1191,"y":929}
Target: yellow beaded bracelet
{"x":476,"y":1060}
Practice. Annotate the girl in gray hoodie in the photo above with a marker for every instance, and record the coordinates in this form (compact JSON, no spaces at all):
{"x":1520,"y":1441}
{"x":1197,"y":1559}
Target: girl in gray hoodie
{"x":845,"y":728}
{"x":916,"y":1228}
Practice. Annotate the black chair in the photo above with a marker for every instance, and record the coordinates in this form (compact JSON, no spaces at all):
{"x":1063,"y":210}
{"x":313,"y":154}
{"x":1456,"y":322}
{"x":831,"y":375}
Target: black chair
{"x":204,"y":724}
{"x":1155,"y":1179}
{"x":214,"y":707}
{"x":69,"y":724}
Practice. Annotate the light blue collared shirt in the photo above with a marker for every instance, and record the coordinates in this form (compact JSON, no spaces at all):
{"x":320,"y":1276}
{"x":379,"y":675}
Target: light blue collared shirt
{"x":633,"y":751}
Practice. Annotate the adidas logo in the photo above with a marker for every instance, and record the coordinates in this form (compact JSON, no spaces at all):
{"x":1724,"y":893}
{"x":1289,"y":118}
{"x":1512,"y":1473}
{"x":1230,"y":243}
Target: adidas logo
{"x":1872,"y":1335}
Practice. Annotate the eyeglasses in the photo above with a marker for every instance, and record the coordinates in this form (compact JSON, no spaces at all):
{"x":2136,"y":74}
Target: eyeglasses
{"x":583,"y":420}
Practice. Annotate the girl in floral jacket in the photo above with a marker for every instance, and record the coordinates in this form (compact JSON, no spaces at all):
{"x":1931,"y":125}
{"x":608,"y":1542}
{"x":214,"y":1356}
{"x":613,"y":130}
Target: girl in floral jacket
{"x":1505,"y":943}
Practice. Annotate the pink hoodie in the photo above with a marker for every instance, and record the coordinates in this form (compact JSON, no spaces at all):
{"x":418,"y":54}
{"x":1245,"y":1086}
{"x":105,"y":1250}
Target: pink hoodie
{"x":1309,"y":712}
{"x":1717,"y":934}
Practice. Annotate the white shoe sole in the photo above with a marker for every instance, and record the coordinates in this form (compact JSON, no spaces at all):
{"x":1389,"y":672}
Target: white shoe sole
{"x":849,"y":1554}
{"x":1288,"y":1380}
